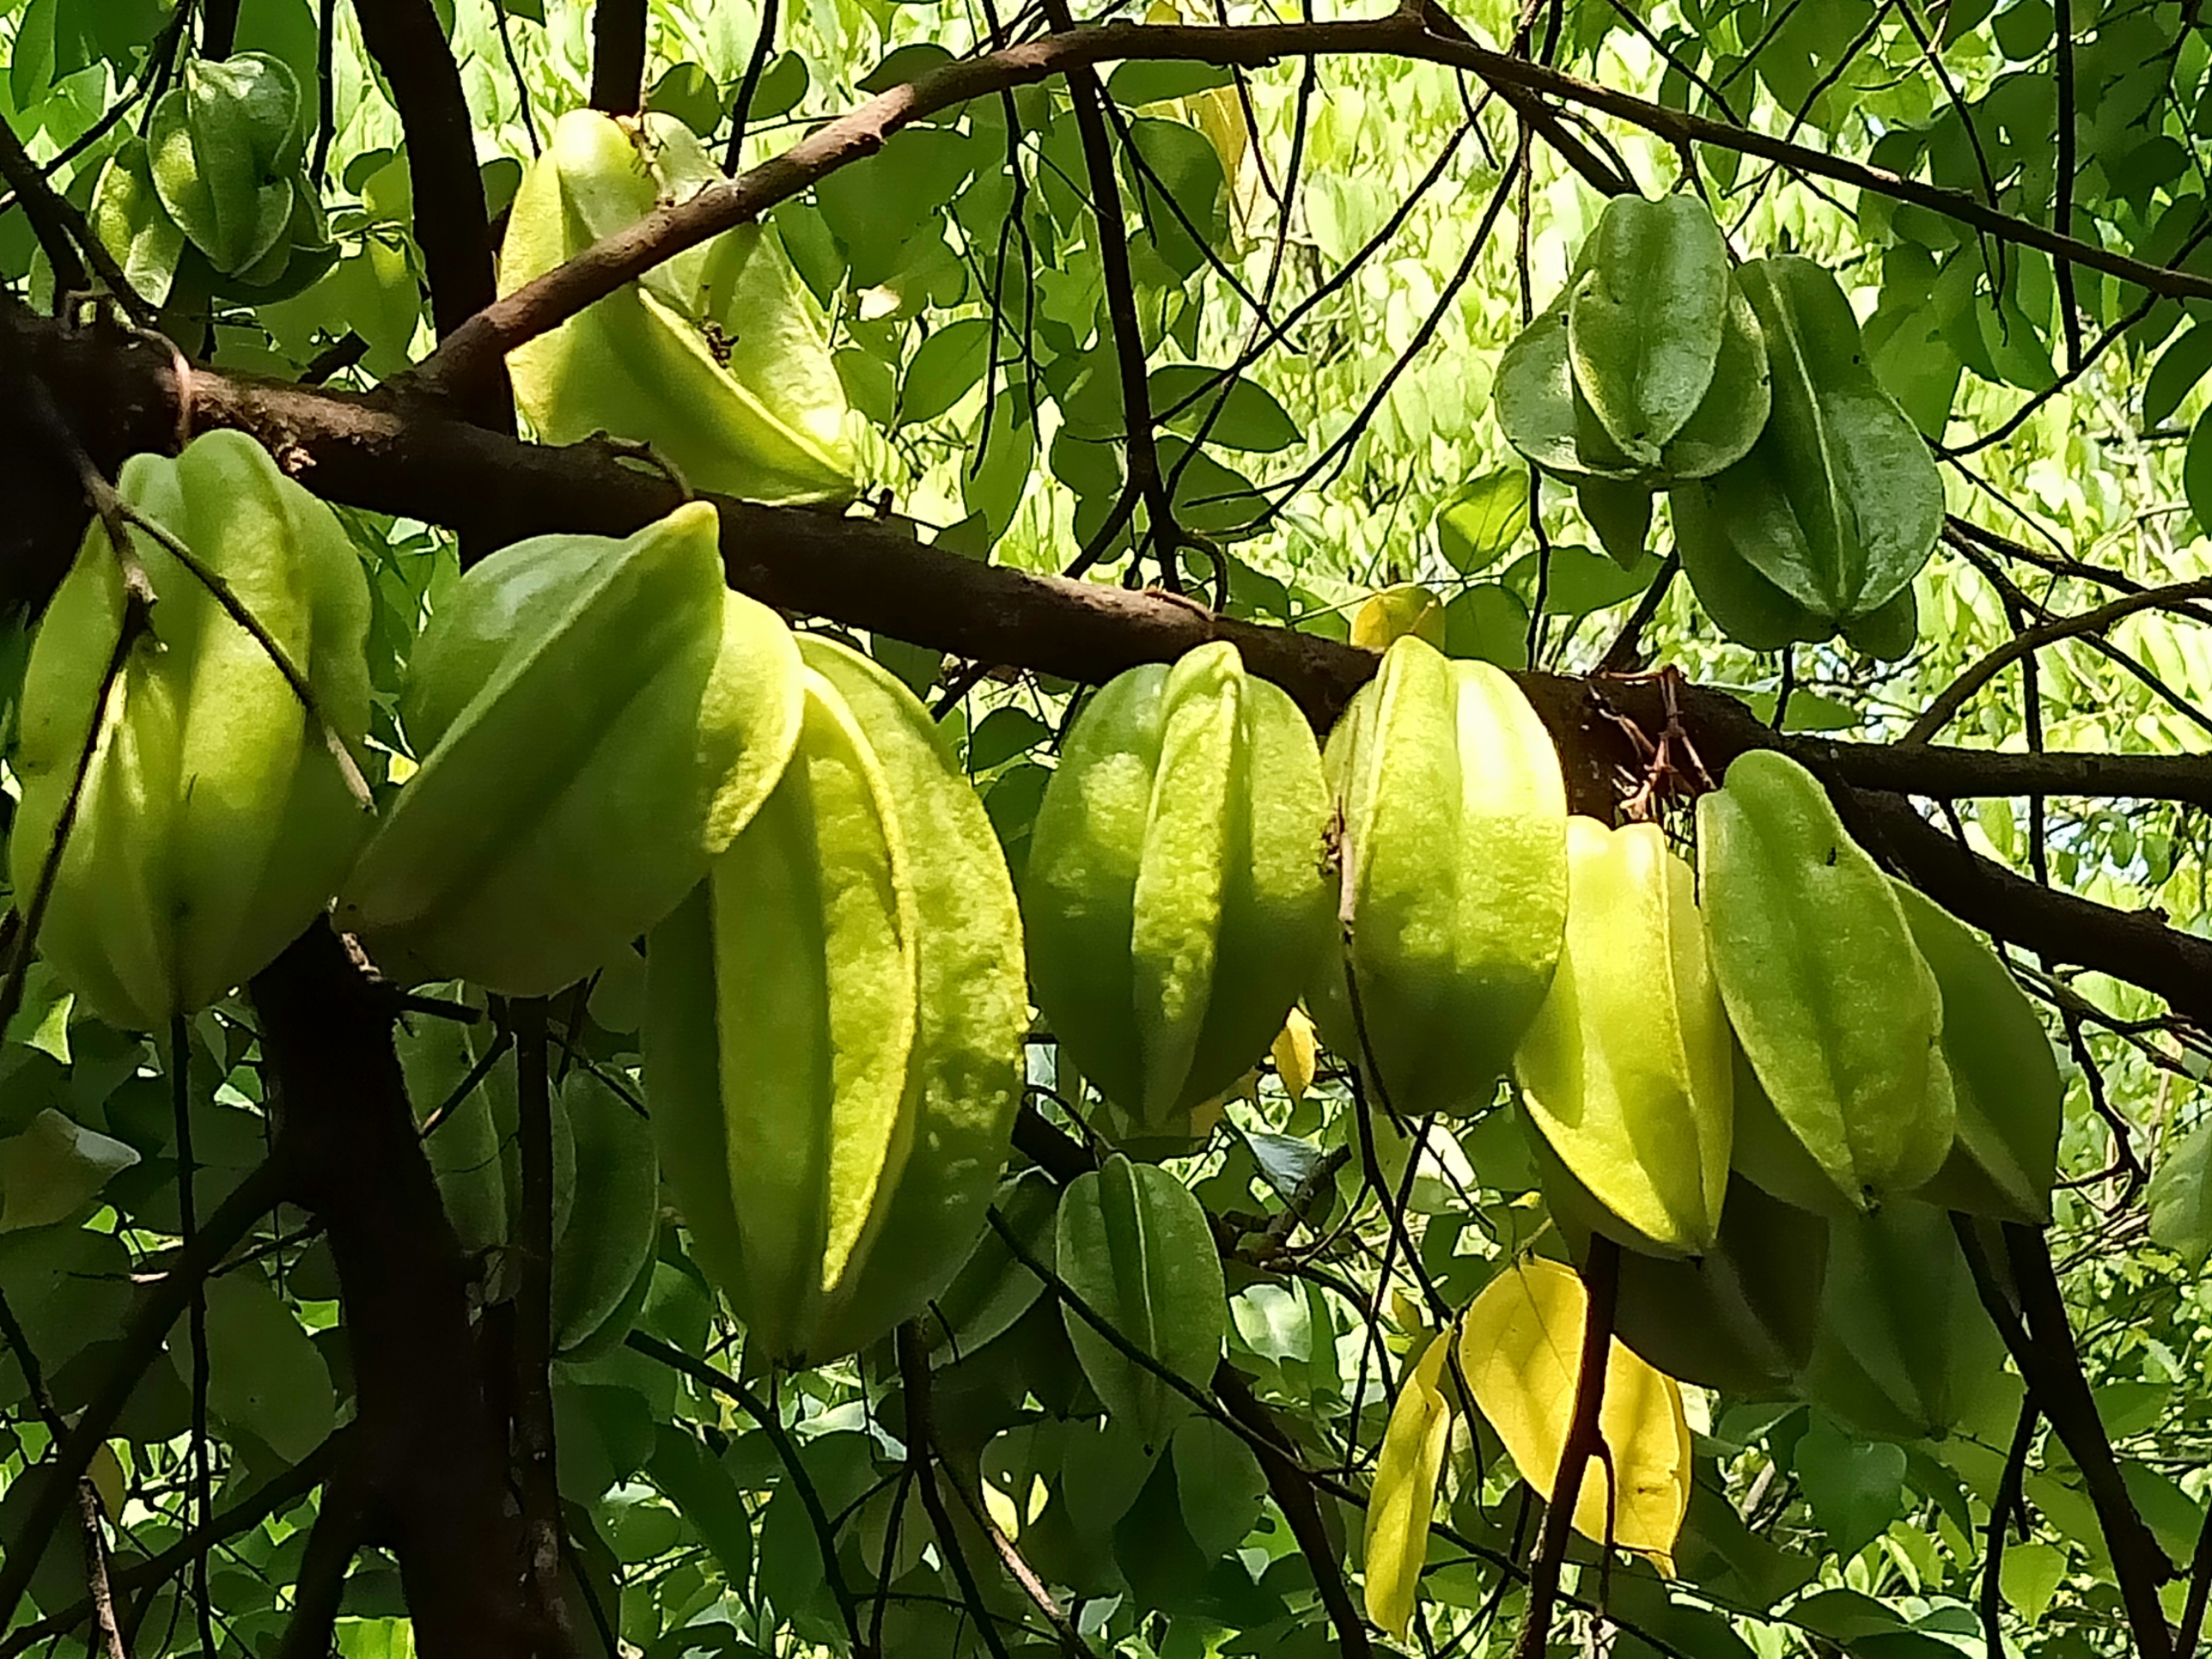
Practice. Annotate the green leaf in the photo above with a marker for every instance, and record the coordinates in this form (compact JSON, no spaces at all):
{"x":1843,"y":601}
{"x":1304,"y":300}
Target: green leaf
{"x":1137,"y":83}
{"x":1002,"y":734}
{"x":1856,"y":1487}
{"x":699,"y":1486}
{"x":2196,"y":471}
{"x":1236,"y":413}
{"x":1481,"y":523}
{"x":53,"y":1168}
{"x":1488,"y":620}
{"x":265,"y":1375}
{"x":1580,"y":580}
{"x":614,"y":1216}
{"x":2180,"y":1198}
{"x":1135,"y":1246}
{"x":687,"y":92}
{"x":945,"y":368}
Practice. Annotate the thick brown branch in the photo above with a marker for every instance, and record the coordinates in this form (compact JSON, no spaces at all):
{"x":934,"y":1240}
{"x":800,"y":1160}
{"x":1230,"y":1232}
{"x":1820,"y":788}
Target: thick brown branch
{"x":415,"y":460}
{"x":618,"y":56}
{"x":427,"y":1453}
{"x":468,"y":356}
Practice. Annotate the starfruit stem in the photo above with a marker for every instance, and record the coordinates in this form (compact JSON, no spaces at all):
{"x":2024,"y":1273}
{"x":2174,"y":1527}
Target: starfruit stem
{"x":355,"y":784}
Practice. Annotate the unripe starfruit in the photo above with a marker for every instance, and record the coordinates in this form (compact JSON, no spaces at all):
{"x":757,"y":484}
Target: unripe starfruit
{"x":834,"y":1028}
{"x":598,"y":718}
{"x":1626,"y":1071}
{"x":2010,"y":1098}
{"x":1453,"y":873}
{"x":1906,"y":1350}
{"x":715,"y":357}
{"x":1174,"y":896}
{"x":1837,"y":1009}
{"x":214,"y":822}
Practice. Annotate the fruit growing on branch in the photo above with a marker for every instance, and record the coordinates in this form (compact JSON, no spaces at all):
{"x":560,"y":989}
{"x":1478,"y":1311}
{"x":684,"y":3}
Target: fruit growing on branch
{"x":1173,"y":897}
{"x":596,"y":720}
{"x":715,"y":357}
{"x":212,"y":822}
{"x":833,"y":1039}
{"x":1452,"y":875}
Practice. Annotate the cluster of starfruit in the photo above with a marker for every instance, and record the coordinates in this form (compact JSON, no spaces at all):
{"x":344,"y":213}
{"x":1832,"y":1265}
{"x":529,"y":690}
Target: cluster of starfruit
{"x":613,"y":745}
{"x":215,"y":200}
{"x":1804,"y":500}
{"x":1769,"y":1079}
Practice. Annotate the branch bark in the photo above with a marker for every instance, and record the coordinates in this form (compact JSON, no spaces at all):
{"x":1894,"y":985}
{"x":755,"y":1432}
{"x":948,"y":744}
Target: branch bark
{"x":427,"y":1453}
{"x":618,"y":56}
{"x":391,"y":454}
{"x":1585,"y":1443}
{"x":471,"y":352}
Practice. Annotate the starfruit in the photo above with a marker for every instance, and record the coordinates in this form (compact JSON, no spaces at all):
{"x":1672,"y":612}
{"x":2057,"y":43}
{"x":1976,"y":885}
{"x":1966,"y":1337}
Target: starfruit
{"x":1837,"y":507}
{"x":214,"y":822}
{"x":1626,"y":1070}
{"x":1136,"y":1248}
{"x":1174,"y":896}
{"x":1404,"y":1498}
{"x":1650,"y":368}
{"x":715,"y":357}
{"x":2009,"y":1096}
{"x":834,"y":1028}
{"x":597,"y":720}
{"x":1743,"y":1317}
{"x":1453,"y":875}
{"x":1906,"y":1350}
{"x":1836,"y":1008}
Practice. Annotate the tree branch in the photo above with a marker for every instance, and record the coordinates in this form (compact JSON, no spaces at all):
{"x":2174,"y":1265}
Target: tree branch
{"x":2041,"y":1343}
{"x":1585,"y":1441}
{"x":468,"y":355}
{"x":392,"y":455}
{"x":431,"y":1460}
{"x":618,"y":56}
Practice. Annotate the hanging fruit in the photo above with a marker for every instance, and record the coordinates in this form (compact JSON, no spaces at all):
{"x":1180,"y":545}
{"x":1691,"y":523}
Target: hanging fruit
{"x":1452,"y":867}
{"x":213,"y":821}
{"x":597,"y":720}
{"x":714,"y":358}
{"x":834,"y":1034}
{"x":2010,"y":1098}
{"x":1174,"y":897}
{"x":1626,"y":1071}
{"x":1905,"y":1349}
{"x":1836,"y":1009}
{"x":1824,"y":525}
{"x":1651,"y":367}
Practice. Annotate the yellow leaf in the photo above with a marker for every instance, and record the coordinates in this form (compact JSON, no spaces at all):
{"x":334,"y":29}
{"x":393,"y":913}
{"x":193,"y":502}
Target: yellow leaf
{"x":1521,"y":1348}
{"x":107,"y":1479}
{"x":1294,"y":1055}
{"x":1392,"y":612}
{"x":1405,"y":1492}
